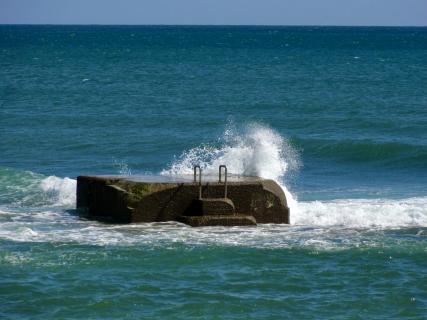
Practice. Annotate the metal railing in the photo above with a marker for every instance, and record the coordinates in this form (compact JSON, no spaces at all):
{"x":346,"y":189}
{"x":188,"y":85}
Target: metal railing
{"x":225,"y":178}
{"x":200,"y":179}
{"x":219,"y":178}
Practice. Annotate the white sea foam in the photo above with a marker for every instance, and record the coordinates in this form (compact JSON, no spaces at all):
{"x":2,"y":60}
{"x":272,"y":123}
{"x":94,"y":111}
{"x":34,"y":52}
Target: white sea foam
{"x":320,"y":225}
{"x":62,"y":191}
{"x":169,"y":234}
{"x":362,"y":213}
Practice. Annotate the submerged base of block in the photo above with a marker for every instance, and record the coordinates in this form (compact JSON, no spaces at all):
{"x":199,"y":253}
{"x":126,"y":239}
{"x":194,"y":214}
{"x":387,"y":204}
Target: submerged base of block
{"x":218,"y":220}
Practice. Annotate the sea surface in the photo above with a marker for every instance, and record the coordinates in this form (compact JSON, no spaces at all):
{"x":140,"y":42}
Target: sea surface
{"x":336,"y":115}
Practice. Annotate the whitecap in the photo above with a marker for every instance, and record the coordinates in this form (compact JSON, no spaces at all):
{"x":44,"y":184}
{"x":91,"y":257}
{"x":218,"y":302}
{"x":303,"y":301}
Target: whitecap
{"x":62,"y":191}
{"x":362,"y":213}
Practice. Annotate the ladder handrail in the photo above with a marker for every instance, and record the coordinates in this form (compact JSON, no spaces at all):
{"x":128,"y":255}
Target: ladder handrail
{"x":200,"y":179}
{"x":225,"y":178}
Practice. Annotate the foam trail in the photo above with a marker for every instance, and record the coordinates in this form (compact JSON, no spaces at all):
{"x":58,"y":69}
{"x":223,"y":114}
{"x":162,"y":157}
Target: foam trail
{"x":258,"y":151}
{"x":334,"y":225}
{"x":363,"y":213}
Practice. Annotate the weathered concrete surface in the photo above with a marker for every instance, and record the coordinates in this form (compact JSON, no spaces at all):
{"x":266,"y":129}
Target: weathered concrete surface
{"x":218,"y":220}
{"x":213,"y":206}
{"x":126,"y":199}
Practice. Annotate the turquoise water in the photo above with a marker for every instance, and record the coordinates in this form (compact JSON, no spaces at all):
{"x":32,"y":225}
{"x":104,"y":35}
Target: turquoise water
{"x":337,"y":116}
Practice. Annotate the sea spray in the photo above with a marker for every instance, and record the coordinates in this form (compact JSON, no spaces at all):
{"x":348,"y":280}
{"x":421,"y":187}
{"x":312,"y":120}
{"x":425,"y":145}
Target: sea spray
{"x":122,"y":167}
{"x":257,"y":150}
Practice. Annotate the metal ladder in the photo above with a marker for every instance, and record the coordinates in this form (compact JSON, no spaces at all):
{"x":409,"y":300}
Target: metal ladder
{"x":219,"y":178}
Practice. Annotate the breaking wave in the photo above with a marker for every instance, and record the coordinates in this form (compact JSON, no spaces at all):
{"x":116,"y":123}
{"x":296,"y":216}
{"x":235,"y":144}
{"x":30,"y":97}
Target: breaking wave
{"x":29,"y":189}
{"x":62,"y":191}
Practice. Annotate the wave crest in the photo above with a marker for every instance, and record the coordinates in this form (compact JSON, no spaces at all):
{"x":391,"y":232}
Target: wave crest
{"x":393,"y":154}
{"x":258,"y":151}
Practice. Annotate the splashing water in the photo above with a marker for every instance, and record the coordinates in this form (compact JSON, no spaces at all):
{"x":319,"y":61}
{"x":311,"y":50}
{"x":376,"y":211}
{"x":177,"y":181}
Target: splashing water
{"x":122,"y":167}
{"x":62,"y":191}
{"x":261,"y":151}
{"x":257,"y":151}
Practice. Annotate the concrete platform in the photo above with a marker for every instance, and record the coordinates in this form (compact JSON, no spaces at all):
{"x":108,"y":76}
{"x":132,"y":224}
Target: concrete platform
{"x":127,"y":199}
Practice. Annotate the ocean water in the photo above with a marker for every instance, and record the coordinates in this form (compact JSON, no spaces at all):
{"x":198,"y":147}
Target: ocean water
{"x":337,"y":116}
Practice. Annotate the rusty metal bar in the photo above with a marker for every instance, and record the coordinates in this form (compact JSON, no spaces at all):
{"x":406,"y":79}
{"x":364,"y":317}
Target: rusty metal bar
{"x":225,"y":178}
{"x":200,"y":179}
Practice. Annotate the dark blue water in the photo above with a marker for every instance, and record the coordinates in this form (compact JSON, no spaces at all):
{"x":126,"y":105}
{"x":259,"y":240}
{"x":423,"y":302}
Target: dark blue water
{"x":337,"y":116}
